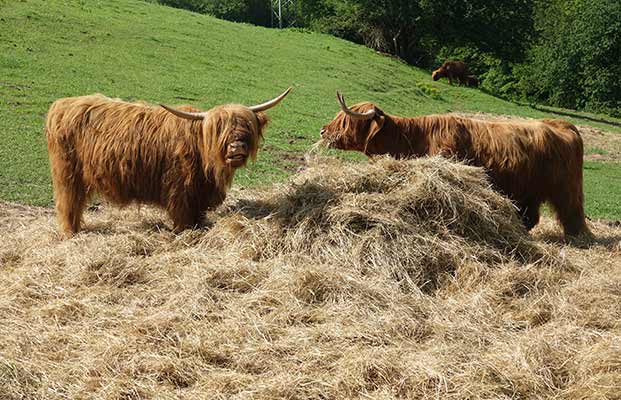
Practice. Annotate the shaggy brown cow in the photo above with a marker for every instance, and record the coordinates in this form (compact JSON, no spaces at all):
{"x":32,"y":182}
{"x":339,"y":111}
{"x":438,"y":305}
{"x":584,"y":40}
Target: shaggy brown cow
{"x":181,"y":160}
{"x":455,"y":70}
{"x":530,"y":161}
{"x":472,"y":81}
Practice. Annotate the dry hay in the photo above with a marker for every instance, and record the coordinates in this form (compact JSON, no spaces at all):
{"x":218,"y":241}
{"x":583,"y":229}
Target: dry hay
{"x":407,"y":279}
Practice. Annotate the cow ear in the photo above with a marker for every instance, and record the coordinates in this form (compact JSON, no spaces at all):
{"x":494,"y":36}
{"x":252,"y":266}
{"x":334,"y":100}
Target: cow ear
{"x":262,"y":119}
{"x":378,"y":111}
{"x":377,"y":123}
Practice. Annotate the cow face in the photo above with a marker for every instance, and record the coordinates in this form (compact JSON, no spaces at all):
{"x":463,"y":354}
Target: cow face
{"x":345,"y":133}
{"x":231,"y":133}
{"x":242,"y":137}
{"x":437,"y":74}
{"x":353,"y":128}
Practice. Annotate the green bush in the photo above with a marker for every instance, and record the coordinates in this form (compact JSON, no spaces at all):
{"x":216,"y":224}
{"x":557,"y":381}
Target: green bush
{"x":257,"y":12}
{"x":575,"y":63}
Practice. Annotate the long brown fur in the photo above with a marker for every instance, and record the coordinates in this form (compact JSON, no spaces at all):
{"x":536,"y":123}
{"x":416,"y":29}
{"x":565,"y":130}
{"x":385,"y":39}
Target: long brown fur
{"x":531,"y":161}
{"x":136,"y":152}
{"x":455,"y":70}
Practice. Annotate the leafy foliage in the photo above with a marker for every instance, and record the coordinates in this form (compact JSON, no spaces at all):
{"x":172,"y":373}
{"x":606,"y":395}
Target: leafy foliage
{"x":253,"y":11}
{"x":416,"y":30}
{"x":575,"y":62}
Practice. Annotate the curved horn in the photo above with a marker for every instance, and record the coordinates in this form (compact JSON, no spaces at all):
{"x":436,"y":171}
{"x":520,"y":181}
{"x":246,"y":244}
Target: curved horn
{"x":269,"y":104}
{"x":184,"y":114}
{"x":355,"y":115}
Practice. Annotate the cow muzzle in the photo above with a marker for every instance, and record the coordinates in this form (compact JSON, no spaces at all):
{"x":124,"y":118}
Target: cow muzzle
{"x":326,"y":138}
{"x":236,"y":154}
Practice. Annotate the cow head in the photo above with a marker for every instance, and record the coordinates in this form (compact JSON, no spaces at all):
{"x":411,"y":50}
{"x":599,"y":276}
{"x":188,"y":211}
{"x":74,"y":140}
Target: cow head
{"x":232,"y":132}
{"x":353,"y":128}
{"x":437,"y":74}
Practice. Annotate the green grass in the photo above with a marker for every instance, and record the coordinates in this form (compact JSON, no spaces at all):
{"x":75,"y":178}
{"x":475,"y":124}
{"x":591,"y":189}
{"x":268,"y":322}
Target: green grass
{"x":138,"y":50}
{"x":595,"y":150}
{"x":602,"y":189}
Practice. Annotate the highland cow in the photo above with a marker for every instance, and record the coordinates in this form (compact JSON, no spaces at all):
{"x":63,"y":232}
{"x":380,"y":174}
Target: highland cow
{"x":455,"y":70}
{"x":472,"y":81}
{"x":531,"y":162}
{"x":180,"y":159}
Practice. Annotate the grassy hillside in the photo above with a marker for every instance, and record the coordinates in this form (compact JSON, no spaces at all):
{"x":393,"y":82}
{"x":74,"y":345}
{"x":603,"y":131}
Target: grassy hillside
{"x":137,"y":50}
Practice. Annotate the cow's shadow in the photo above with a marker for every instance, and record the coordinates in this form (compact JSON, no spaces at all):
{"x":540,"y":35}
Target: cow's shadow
{"x":309,"y":200}
{"x":253,"y":209}
{"x":111,"y":228}
{"x":610,"y":242}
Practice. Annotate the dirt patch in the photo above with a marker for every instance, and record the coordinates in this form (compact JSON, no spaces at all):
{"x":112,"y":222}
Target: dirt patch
{"x":292,"y":161}
{"x":599,"y":145}
{"x":289,"y":160}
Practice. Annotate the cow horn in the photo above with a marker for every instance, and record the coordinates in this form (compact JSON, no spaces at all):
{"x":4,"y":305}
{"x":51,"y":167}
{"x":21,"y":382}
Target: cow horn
{"x":269,"y":104}
{"x":184,"y":114}
{"x":355,"y":115}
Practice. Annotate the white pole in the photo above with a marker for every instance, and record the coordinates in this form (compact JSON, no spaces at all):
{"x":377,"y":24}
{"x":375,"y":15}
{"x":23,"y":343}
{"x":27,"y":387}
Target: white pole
{"x":279,"y":14}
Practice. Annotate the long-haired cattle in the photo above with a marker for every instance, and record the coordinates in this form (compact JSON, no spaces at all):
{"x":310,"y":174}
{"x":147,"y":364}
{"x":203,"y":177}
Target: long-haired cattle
{"x":455,"y":70}
{"x":531,"y":161}
{"x":180,"y":159}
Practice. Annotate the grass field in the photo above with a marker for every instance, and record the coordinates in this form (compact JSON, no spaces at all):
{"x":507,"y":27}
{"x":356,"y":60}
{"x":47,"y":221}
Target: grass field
{"x":137,"y":50}
{"x":602,"y":189}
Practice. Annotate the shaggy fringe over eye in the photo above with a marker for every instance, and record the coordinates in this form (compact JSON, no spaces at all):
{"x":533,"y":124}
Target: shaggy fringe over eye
{"x":218,"y":125}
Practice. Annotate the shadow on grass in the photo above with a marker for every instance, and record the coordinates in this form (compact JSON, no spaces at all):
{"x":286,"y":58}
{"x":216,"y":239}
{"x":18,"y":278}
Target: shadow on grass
{"x":112,"y":228}
{"x":555,"y":111}
{"x":569,"y":113}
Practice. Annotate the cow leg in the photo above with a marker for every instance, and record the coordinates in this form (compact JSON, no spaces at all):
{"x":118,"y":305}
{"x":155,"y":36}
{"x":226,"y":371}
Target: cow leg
{"x":183,"y":219}
{"x":70,"y":192}
{"x":70,"y":204}
{"x":569,"y":207}
{"x":70,"y":195}
{"x":185,"y":215}
{"x":529,"y":213}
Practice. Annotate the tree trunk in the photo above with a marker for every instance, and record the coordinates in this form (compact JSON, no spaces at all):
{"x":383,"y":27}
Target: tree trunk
{"x":395,"y":41}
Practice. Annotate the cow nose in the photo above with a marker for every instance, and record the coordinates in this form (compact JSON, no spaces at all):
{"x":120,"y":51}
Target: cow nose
{"x":239,"y":146}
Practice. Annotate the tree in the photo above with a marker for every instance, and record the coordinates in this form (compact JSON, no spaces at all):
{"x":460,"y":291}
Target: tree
{"x":502,"y":28}
{"x":253,"y":11}
{"x":575,"y":62}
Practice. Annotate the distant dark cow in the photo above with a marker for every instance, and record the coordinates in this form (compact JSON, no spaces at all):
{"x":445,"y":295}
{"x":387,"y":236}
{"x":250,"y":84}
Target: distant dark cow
{"x":530,"y":161}
{"x":472,"y":81}
{"x":181,"y":160}
{"x":455,"y":70}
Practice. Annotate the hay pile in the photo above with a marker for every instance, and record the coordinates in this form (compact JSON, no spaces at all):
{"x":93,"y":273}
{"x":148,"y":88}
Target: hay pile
{"x":414,"y":221}
{"x":382,"y":280}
